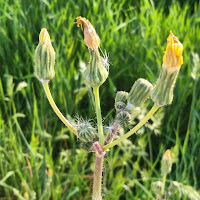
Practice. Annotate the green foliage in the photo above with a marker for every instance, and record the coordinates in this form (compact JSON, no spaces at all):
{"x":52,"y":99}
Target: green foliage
{"x":134,"y":33}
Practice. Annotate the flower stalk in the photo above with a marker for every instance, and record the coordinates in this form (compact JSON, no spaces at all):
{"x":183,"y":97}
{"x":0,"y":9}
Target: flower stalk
{"x":55,"y":108}
{"x":98,"y":114}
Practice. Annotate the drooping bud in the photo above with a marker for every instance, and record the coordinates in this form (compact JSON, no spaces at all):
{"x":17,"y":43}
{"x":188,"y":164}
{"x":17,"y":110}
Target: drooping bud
{"x":162,"y":93}
{"x":95,"y":74}
{"x":139,"y":93}
{"x":166,"y":165}
{"x":123,"y":118}
{"x":44,"y":57}
{"x":173,"y":187}
{"x":91,"y":38}
{"x":86,"y":132}
{"x":157,"y":187}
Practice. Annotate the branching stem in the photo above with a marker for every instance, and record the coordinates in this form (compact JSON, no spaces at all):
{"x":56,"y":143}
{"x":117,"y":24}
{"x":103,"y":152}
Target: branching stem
{"x":132,"y":131}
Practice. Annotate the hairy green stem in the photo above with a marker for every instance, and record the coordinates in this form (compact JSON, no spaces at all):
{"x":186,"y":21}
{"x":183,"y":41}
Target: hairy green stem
{"x":98,"y":113}
{"x":132,"y":131}
{"x":97,"y":178}
{"x":55,"y":108}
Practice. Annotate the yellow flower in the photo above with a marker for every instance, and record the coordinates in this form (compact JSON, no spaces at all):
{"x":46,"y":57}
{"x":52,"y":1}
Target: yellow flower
{"x":162,"y":93}
{"x":91,"y":38}
{"x":173,"y":58}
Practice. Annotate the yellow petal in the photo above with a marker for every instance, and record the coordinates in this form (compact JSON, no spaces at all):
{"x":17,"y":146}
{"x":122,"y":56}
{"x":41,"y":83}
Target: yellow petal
{"x":44,"y":36}
{"x":167,"y":154}
{"x":173,"y":54}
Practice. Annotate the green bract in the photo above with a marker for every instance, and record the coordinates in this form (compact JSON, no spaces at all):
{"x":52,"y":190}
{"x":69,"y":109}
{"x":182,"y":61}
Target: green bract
{"x":95,"y":73}
{"x":44,"y":58}
{"x":139,"y":92}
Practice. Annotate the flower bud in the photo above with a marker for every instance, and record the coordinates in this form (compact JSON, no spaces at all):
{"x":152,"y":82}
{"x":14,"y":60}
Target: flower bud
{"x":119,"y":106}
{"x":123,"y":118}
{"x":157,"y":187}
{"x":91,"y":38}
{"x":44,"y":57}
{"x":121,"y":96}
{"x":166,"y":165}
{"x":86,"y":132}
{"x":173,"y":187}
{"x":162,"y":93}
{"x":139,"y":92}
{"x":95,"y":74}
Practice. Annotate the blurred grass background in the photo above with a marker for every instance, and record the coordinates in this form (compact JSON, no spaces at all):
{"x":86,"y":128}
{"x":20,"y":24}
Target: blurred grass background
{"x":134,"y":33}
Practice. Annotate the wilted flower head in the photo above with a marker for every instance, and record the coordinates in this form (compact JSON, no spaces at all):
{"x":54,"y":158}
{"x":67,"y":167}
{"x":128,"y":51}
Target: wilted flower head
{"x":91,"y":38}
{"x":97,"y":70}
{"x":173,"y":58}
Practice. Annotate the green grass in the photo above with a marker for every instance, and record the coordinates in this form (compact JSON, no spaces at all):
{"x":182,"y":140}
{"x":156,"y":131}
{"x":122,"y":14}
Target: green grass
{"x":134,"y":33}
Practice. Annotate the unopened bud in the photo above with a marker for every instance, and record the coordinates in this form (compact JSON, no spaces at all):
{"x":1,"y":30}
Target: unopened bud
{"x":139,"y":92}
{"x":44,"y":57}
{"x":157,"y":187}
{"x":123,"y":118}
{"x":162,"y":93}
{"x":166,"y":165}
{"x":119,"y":106}
{"x":173,"y":187}
{"x":86,"y":132}
{"x":121,"y":96}
{"x":95,"y":73}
